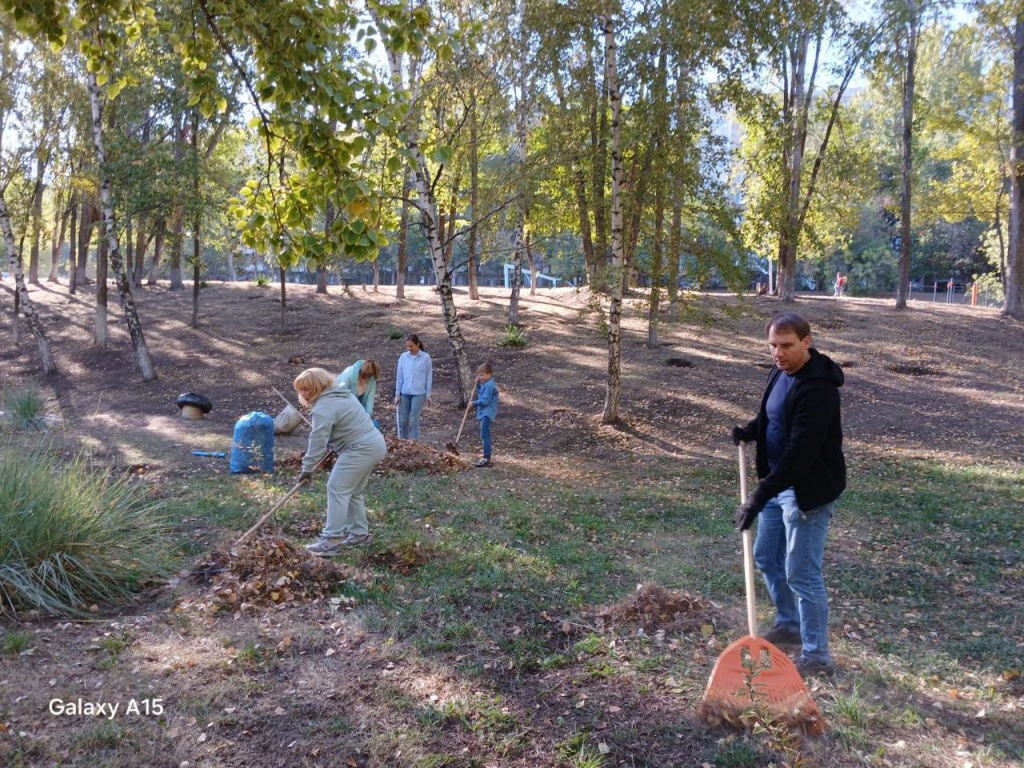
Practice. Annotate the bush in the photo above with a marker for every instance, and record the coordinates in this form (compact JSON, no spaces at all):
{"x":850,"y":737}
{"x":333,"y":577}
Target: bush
{"x":23,"y":408}
{"x":394,"y":333}
{"x":512,"y":336}
{"x":262,"y":280}
{"x":71,"y":536}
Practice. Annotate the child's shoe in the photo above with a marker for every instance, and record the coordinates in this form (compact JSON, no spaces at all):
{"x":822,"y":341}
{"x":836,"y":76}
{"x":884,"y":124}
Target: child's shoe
{"x":483,"y":463}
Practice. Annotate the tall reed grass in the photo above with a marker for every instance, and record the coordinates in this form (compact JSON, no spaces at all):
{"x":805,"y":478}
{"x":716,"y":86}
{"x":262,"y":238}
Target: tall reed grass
{"x":72,"y":536}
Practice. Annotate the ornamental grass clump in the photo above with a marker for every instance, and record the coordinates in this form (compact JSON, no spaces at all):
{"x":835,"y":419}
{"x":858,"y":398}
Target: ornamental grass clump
{"x":23,"y":409}
{"x":72,"y":537}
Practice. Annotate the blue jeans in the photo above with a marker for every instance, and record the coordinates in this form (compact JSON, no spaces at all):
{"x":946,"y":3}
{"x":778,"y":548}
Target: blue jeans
{"x":789,"y":549}
{"x":409,"y":410}
{"x":485,"y":435}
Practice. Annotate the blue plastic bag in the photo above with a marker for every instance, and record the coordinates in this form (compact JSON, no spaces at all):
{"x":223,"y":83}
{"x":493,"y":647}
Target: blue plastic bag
{"x":252,"y":449}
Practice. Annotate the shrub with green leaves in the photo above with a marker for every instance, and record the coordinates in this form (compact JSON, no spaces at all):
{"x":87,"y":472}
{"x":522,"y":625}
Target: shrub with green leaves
{"x":71,"y":536}
{"x":24,"y":408}
{"x":512,"y":336}
{"x":262,"y":280}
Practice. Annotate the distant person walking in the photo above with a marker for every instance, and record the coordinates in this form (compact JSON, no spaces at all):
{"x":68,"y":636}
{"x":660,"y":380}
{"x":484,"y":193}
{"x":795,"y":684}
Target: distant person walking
{"x":413,"y":384}
{"x":361,"y":380}
{"x":341,"y":424}
{"x":486,"y":403}
{"x":839,"y":286}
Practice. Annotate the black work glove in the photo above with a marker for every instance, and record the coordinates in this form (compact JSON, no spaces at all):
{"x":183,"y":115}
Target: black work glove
{"x":745,"y":516}
{"x":741,"y":435}
{"x":303,"y":477}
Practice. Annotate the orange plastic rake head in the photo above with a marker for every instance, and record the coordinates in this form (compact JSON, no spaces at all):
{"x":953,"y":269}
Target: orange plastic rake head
{"x":753,"y":674}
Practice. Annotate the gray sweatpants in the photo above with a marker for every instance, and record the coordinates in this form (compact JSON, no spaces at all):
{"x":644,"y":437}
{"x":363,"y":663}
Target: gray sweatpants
{"x":346,"y":507}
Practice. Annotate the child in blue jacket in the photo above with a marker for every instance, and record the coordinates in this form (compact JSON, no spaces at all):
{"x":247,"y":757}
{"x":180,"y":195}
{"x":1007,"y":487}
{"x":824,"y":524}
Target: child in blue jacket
{"x":486,"y":403}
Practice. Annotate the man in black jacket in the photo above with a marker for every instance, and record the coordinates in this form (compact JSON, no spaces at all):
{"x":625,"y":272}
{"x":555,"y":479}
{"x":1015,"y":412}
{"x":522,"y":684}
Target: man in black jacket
{"x":801,"y":474}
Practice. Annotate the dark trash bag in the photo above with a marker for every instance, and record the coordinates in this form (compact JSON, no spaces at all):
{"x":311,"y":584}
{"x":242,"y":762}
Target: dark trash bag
{"x":252,"y":449}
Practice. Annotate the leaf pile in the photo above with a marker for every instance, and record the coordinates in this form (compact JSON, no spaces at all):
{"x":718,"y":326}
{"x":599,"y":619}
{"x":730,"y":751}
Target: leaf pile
{"x":268,"y":571}
{"x":403,"y":456}
{"x":652,"y":607}
{"x":411,"y":456}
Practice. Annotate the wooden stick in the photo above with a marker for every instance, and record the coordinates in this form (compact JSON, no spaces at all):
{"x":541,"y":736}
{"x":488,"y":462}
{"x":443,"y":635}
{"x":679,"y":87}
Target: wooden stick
{"x":292,"y":406}
{"x":270,"y":512}
{"x":468,"y":405}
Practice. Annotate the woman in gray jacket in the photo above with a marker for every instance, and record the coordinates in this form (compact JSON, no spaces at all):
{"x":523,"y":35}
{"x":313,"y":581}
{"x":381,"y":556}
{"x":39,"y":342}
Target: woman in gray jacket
{"x":340,"y":423}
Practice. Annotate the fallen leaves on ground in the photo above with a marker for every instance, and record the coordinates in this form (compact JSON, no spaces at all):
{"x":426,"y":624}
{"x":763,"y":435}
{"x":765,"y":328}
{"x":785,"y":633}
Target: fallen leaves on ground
{"x":653,"y":607}
{"x":403,"y":456}
{"x":267,"y":571}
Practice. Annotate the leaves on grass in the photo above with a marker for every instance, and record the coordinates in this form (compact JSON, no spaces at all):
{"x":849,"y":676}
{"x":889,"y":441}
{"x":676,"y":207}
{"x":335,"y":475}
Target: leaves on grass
{"x":652,"y":607}
{"x":403,"y":456}
{"x":268,"y":571}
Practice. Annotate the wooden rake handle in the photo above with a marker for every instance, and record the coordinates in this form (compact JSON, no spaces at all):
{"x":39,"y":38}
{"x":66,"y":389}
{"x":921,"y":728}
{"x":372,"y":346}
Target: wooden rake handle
{"x":281,"y":502}
{"x":267,"y":515}
{"x":464,"y":415}
{"x":748,"y":550}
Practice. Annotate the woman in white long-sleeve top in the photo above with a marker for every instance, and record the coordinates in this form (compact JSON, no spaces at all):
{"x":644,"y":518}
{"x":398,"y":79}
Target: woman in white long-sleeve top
{"x":413,"y":383}
{"x":341,"y":423}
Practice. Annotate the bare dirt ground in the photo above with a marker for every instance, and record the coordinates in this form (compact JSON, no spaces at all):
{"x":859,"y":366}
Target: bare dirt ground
{"x":938,"y":381}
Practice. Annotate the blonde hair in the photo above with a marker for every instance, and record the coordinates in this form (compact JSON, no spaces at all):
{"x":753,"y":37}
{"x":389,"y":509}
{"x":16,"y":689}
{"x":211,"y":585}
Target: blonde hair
{"x":316,"y":381}
{"x":369,"y":370}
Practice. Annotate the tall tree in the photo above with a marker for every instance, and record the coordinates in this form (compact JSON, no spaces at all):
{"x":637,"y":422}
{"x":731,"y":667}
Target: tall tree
{"x":795,"y":42}
{"x":391,"y":21}
{"x":613,"y":389}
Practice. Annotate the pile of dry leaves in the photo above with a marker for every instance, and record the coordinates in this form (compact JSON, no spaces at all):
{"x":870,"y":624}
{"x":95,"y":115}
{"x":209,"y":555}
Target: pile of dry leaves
{"x":403,"y":456}
{"x":267,"y":571}
{"x":652,"y":608}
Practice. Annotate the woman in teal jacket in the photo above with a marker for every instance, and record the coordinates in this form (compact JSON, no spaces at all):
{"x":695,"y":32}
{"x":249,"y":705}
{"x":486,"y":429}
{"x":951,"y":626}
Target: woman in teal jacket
{"x":361,"y":380}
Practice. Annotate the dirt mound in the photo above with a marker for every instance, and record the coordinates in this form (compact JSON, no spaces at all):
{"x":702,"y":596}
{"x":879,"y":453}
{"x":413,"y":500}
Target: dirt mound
{"x":403,"y":456}
{"x":267,"y":571}
{"x":652,"y":608}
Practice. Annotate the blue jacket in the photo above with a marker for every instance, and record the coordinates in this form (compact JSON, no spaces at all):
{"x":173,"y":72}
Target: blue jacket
{"x":487,"y":400}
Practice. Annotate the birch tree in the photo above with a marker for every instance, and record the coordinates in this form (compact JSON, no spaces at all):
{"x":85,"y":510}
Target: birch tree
{"x":613,"y":390}
{"x":390,"y":22}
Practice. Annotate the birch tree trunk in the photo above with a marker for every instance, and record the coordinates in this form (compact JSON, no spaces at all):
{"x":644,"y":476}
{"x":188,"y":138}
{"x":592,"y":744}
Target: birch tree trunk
{"x":100,"y":314}
{"x":37,"y":221}
{"x":474,"y":198}
{"x":906,"y":173}
{"x":24,"y":304}
{"x":614,"y":388}
{"x":1013,"y":288}
{"x":403,"y":238}
{"x":85,"y":223}
{"x":131,"y":315}
{"x":73,"y":245}
{"x":61,"y":212}
{"x":520,"y":247}
{"x":426,"y":203}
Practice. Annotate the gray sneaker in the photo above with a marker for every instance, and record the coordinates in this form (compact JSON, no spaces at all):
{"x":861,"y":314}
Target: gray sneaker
{"x":783,"y":636}
{"x":811,"y":668}
{"x":326,"y":547}
{"x":355,"y":540}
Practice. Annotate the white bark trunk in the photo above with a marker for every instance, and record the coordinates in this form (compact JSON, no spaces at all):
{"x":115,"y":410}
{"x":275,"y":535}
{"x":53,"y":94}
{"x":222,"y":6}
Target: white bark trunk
{"x":35,"y":323}
{"x":131,"y":315}
{"x":614,"y":387}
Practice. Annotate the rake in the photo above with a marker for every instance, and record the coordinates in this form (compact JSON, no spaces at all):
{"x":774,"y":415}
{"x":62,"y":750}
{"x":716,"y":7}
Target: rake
{"x":752,"y":673}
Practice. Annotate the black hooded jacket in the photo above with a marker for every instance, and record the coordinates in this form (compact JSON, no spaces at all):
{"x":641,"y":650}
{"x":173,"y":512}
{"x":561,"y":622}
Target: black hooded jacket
{"x":812,"y":463}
